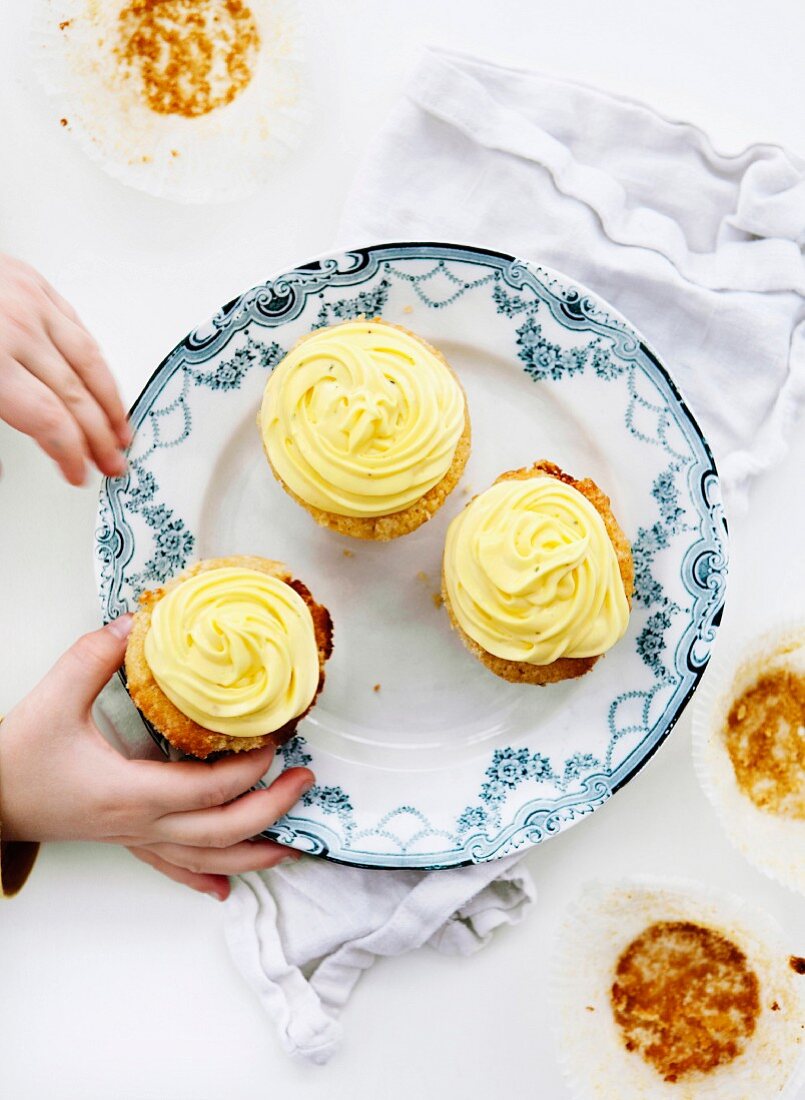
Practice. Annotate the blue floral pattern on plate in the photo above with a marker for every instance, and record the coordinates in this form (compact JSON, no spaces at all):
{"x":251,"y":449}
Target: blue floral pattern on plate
{"x":562,"y":336}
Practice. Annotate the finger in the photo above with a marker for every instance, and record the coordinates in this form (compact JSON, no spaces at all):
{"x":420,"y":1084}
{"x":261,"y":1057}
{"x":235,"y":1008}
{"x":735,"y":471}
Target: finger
{"x":244,"y":818}
{"x":57,"y":299}
{"x":249,"y":855}
{"x":164,"y":788}
{"x":89,"y":362}
{"x":84,"y":356}
{"x":85,"y":668}
{"x":49,"y":367}
{"x":217,"y":885}
{"x":28,"y":405}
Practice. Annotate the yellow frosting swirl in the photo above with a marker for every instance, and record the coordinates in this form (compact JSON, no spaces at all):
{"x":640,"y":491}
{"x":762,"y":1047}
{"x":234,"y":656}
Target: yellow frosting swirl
{"x":361,"y":419}
{"x":532,"y":575}
{"x":235,"y":650}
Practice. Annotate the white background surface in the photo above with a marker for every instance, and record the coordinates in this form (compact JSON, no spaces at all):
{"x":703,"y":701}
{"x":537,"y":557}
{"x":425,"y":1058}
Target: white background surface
{"x":115,"y":982}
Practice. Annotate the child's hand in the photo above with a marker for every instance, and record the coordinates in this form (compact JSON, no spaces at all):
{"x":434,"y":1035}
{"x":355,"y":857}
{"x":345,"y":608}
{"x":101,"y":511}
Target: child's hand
{"x":54,"y":383}
{"x":60,"y":780}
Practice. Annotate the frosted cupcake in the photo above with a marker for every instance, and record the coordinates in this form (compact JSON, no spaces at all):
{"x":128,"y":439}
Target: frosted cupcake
{"x":228,"y":656}
{"x":366,"y":426}
{"x":537,"y":576}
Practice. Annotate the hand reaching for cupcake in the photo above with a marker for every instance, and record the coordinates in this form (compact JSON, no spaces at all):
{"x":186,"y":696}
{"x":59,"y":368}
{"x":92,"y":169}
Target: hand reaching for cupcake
{"x":54,"y":383}
{"x":60,"y":780}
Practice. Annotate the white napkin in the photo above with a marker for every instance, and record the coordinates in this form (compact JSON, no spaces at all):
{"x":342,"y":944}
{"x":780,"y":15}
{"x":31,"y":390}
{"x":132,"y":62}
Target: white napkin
{"x":702,"y":252}
{"x":303,"y":933}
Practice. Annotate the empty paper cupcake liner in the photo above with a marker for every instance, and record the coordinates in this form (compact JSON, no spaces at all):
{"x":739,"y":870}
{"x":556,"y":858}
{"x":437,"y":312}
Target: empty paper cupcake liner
{"x":597,"y":928}
{"x":218,"y":156}
{"x":775,"y":844}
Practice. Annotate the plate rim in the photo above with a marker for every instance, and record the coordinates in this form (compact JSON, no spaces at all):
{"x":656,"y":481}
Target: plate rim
{"x":519,"y":841}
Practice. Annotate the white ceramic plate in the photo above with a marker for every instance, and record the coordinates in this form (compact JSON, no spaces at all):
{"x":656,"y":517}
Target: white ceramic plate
{"x":423,"y":757}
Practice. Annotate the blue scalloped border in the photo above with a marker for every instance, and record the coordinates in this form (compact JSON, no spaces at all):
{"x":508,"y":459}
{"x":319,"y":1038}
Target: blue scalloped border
{"x":703,"y":568}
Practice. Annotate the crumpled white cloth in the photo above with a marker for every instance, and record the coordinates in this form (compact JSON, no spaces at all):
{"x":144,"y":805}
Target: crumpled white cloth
{"x":702,"y":252}
{"x":302,"y":934}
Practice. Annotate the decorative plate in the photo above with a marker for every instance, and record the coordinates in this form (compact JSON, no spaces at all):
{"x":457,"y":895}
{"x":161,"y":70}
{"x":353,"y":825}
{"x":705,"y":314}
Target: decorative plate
{"x":423,"y":757}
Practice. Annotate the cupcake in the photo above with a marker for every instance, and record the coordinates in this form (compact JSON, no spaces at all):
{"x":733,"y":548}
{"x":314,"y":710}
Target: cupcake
{"x":537,"y":576}
{"x":366,"y":426}
{"x":228,"y":656}
{"x":669,"y":989}
{"x":749,"y":750}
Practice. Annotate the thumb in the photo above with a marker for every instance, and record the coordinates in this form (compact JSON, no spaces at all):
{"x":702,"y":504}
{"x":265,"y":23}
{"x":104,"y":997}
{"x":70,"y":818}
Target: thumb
{"x":88,"y":664}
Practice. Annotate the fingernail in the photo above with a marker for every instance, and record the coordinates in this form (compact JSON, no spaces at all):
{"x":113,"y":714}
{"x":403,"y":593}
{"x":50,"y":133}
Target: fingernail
{"x":214,"y":894}
{"x":308,"y":785}
{"x":121,"y":627}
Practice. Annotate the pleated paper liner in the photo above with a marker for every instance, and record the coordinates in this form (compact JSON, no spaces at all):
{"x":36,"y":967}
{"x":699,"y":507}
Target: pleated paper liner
{"x":600,"y":924}
{"x":219,"y":156}
{"x":774,"y":843}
